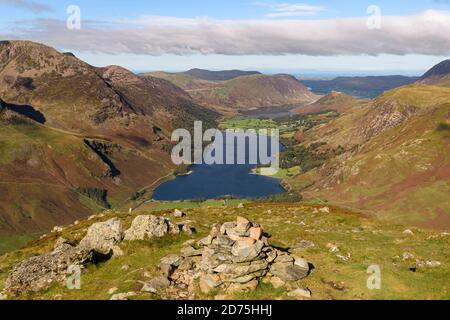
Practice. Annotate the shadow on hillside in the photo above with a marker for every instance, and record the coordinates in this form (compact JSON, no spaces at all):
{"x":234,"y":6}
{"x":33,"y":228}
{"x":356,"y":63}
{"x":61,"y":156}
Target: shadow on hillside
{"x":27,"y":111}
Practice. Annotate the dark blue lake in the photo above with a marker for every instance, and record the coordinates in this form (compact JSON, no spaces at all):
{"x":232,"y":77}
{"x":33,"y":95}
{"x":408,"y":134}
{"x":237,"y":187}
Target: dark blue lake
{"x":217,"y":180}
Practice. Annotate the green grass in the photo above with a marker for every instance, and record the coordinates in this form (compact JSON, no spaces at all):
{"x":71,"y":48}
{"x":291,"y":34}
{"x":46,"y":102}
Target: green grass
{"x":13,"y":242}
{"x":171,"y":205}
{"x":283,"y":173}
{"x":368,"y":241}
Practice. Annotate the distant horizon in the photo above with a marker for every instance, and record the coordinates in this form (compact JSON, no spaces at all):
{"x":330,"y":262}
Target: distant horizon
{"x":317,"y":37}
{"x":306,"y":74}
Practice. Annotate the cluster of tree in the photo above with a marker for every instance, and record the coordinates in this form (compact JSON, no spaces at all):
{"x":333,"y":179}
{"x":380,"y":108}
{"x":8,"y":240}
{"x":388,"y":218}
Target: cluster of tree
{"x":100,"y":196}
{"x":307,"y":158}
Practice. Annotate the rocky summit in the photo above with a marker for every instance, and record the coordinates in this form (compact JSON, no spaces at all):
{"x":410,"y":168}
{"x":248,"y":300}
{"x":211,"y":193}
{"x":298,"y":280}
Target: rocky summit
{"x":234,"y":257}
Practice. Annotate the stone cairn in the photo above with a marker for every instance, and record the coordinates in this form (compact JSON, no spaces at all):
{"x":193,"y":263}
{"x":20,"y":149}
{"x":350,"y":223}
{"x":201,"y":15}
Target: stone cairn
{"x":233,"y":258}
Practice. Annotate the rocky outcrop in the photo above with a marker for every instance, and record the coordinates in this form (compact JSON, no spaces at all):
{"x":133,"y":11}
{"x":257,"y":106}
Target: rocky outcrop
{"x":101,"y":242}
{"x":103,"y":237}
{"x":38,"y":273}
{"x":234,"y":257}
{"x":147,"y":227}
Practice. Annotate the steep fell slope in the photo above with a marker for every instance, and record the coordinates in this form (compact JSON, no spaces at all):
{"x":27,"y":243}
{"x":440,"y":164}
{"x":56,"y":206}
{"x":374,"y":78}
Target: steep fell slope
{"x":75,"y":138}
{"x":396,"y":163}
{"x":48,"y":177}
{"x":75,"y":96}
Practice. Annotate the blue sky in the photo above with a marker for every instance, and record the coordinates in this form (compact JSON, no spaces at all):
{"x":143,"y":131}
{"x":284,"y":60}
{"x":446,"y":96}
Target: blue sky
{"x":177,"y":35}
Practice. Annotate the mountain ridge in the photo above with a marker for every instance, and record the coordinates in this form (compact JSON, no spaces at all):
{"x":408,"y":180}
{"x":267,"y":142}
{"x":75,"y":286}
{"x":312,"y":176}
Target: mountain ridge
{"x":363,"y":87}
{"x":438,"y":75}
{"x":219,"y":75}
{"x":243,"y":93}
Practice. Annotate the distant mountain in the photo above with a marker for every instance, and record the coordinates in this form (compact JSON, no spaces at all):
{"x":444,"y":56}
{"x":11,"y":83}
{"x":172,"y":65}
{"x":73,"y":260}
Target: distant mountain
{"x":334,"y":101}
{"x":441,"y":69}
{"x":362,"y":87}
{"x":75,"y":138}
{"x":219,"y":75}
{"x":438,"y":75}
{"x":243,"y":93}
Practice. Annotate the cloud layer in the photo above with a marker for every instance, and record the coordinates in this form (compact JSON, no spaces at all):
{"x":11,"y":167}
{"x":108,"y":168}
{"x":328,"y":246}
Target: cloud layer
{"x":427,"y":33}
{"x":27,"y":4}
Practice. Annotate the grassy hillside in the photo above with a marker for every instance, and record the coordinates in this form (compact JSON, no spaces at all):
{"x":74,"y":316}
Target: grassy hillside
{"x":335,"y":101}
{"x":243,"y":92}
{"x":396,"y":160}
{"x":42,"y":171}
{"x":219,"y":75}
{"x":341,"y":274}
{"x":182,"y":80}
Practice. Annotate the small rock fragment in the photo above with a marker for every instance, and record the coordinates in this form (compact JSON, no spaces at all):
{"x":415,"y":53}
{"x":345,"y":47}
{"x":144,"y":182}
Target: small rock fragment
{"x":208,"y":282}
{"x":172,"y":259}
{"x":407,"y":256}
{"x":156,"y":284}
{"x":256,"y":233}
{"x":433,"y":263}
{"x":112,"y":290}
{"x":300,"y":293}
{"x":408,"y":232}
{"x":277,"y":282}
{"x":178,"y":213}
{"x":123,"y":296}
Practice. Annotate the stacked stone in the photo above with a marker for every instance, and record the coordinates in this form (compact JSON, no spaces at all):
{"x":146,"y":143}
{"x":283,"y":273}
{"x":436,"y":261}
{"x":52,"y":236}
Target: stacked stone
{"x":234,"y":256}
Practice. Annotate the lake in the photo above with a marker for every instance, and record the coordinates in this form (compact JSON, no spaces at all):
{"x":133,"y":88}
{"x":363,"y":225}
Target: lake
{"x":219,"y":180}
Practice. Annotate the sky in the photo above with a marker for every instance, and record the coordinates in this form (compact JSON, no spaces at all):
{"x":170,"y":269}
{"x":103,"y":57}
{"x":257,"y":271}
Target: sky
{"x":302,"y":37}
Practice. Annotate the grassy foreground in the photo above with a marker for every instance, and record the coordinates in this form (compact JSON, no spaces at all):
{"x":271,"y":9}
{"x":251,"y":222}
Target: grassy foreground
{"x":361,"y":241}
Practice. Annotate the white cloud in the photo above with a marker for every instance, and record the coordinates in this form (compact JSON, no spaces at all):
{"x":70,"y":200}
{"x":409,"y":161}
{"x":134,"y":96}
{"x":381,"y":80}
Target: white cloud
{"x":290,"y":9}
{"x":427,"y":33}
{"x":27,"y":4}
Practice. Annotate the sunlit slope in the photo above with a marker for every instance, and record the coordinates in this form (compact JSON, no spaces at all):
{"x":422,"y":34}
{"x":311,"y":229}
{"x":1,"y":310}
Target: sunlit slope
{"x":397,"y":163}
{"x":244,"y":92}
{"x":334,"y":101}
{"x":46,"y":175}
